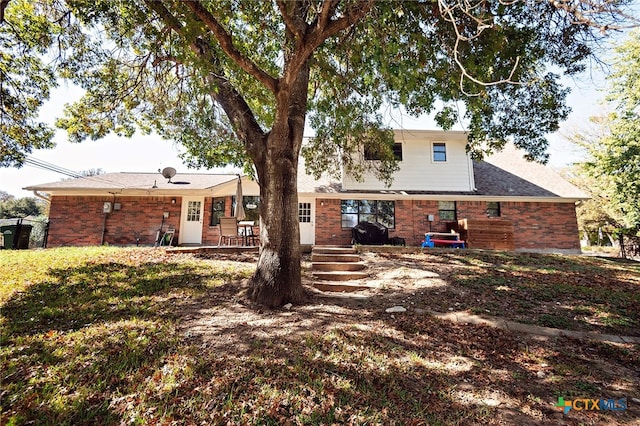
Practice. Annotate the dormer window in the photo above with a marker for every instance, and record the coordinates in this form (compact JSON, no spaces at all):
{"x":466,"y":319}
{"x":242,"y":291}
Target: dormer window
{"x":439,"y":152}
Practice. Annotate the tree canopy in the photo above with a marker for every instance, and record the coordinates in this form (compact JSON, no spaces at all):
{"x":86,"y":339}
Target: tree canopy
{"x":25,"y":82}
{"x":235,"y":82}
{"x":142,"y":66}
{"x":12,"y":207}
{"x":613,"y":154}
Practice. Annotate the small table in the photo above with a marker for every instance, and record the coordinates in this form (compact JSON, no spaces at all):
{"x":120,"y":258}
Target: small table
{"x":246,"y":231}
{"x":445,"y":238}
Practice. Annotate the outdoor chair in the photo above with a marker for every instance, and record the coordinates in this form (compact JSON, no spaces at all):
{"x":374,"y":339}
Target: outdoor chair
{"x":228,"y":228}
{"x":246,"y":230}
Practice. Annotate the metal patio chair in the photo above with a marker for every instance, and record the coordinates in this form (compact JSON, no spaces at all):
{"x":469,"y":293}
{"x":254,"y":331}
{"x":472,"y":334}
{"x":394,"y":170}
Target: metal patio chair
{"x":228,"y":228}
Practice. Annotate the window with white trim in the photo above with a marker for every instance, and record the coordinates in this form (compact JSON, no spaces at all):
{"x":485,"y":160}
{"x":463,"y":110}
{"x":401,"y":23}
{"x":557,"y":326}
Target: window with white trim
{"x":304,"y":212}
{"x":372,"y":154}
{"x":439,"y":152}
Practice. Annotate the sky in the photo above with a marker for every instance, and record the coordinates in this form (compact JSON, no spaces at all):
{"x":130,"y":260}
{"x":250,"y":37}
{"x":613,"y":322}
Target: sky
{"x":150,"y":153}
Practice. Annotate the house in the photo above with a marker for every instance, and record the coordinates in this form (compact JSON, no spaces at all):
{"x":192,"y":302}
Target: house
{"x":133,"y":208}
{"x":438,"y":188}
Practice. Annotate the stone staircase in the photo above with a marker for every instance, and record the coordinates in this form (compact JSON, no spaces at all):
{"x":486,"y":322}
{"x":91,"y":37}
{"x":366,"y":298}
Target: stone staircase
{"x":337,"y":269}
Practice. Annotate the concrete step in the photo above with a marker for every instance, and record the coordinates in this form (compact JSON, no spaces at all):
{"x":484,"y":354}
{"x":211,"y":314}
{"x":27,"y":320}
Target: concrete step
{"x":339,"y":275}
{"x":334,"y":258}
{"x":340,"y":287}
{"x":333,"y":250}
{"x":338,"y":266}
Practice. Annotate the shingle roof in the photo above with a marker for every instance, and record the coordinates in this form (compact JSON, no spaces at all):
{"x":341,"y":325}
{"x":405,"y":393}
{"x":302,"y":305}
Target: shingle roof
{"x":508,"y":174}
{"x":505,"y":174}
{"x":145,"y":181}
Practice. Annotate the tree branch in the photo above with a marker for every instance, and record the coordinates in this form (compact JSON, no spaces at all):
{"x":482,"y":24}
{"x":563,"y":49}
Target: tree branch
{"x":351,"y":16}
{"x":3,"y":6}
{"x":288,"y":19}
{"x":226,"y":43}
{"x":328,"y":8}
{"x":319,"y":35}
{"x":592,"y":10}
{"x":235,"y":107}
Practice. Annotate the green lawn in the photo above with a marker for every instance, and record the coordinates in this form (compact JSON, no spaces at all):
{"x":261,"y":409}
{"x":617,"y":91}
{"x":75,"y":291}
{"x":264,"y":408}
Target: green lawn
{"x":135,"y":336}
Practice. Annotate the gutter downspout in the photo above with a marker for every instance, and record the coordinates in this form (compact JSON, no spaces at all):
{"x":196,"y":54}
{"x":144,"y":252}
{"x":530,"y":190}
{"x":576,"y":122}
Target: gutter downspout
{"x":472,"y":176}
{"x":42,"y":197}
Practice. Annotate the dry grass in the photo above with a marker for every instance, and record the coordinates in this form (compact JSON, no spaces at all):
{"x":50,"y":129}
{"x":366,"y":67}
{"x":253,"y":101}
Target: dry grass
{"x":119,"y":336}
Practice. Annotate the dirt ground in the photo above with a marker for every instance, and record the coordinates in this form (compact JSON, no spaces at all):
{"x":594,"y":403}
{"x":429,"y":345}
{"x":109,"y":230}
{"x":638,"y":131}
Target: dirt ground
{"x":541,"y":368}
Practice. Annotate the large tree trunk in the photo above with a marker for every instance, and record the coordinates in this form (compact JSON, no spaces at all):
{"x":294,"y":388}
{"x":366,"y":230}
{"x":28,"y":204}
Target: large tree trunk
{"x":278,"y":278}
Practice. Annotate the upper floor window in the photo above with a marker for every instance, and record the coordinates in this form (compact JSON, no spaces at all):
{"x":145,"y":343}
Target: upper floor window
{"x":447,"y":210}
{"x":217,"y":210}
{"x":493,"y":209}
{"x":397,"y":151}
{"x":439,"y":152}
{"x":373,"y":154}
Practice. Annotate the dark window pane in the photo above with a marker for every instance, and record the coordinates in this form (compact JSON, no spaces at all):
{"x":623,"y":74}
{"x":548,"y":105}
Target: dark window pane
{"x":493,"y":209}
{"x":366,"y":206}
{"x":397,"y":151}
{"x":349,"y":206}
{"x":447,"y":210}
{"x":217,"y":210}
{"x":373,"y":154}
{"x":251,"y":205}
{"x":386,"y":213}
{"x":349,"y":220}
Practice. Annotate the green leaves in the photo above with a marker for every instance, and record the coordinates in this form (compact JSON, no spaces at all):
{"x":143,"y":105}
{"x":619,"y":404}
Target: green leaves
{"x":141,"y":67}
{"x":25,"y":81}
{"x":614,"y":154}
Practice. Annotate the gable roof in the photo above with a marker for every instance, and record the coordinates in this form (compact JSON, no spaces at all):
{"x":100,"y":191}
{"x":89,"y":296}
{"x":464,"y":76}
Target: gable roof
{"x":137,"y":183}
{"x":507,"y":173}
{"x":503,"y":175}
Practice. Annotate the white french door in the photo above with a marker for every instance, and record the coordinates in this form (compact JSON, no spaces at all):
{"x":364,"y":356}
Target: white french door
{"x":191,"y":220}
{"x":306,"y":219}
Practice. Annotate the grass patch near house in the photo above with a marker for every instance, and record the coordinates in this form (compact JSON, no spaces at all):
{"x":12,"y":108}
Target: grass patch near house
{"x":571,"y":292}
{"x":136,"y":336}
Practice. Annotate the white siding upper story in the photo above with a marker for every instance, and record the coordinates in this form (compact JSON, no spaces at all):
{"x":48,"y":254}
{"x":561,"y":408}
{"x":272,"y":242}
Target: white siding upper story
{"x":419,"y":171}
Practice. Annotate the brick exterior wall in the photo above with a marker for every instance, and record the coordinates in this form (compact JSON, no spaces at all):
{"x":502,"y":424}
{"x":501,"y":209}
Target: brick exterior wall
{"x":328,"y":223}
{"x":542,"y":225}
{"x":538,"y":226}
{"x":79,"y":221}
